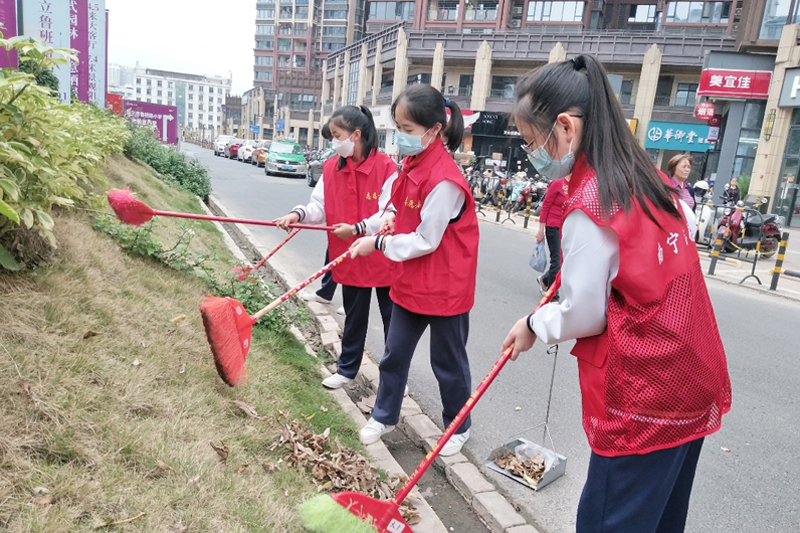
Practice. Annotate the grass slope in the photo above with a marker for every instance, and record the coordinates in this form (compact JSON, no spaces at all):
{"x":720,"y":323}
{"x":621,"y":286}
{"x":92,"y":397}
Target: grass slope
{"x":119,"y":423}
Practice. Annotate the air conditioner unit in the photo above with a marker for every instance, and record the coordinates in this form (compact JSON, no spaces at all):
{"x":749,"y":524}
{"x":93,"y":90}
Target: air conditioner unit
{"x":516,"y":23}
{"x":660,"y":5}
{"x":451,"y":89}
{"x":516,"y":10}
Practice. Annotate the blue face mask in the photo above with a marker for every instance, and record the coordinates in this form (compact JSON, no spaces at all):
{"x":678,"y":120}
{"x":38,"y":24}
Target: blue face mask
{"x":545,"y":165}
{"x":409,"y":145}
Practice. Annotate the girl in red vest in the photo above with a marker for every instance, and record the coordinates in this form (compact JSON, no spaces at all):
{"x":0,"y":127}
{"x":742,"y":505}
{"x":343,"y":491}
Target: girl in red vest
{"x":347,"y":194}
{"x":652,"y":368}
{"x":435,"y":247}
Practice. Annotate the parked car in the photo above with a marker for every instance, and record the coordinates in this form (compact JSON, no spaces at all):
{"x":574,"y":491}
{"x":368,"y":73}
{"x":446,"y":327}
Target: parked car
{"x":232,"y":148}
{"x":315,"y":165}
{"x":285,"y":157}
{"x":260,"y":153}
{"x":246,"y":151}
{"x":219,"y":144}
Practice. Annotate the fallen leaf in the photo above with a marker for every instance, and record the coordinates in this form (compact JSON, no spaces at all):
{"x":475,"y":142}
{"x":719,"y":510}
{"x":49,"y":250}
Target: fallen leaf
{"x":195,"y":481}
{"x":136,"y":362}
{"x":724,"y":449}
{"x":44,"y":500}
{"x":246,"y":409}
{"x":310,"y":417}
{"x":281,"y":414}
{"x":518,"y":408}
{"x":243,"y":467}
{"x":142,"y":344}
{"x":269,"y":467}
{"x":40,"y":491}
{"x":183,"y":369}
{"x":90,"y":334}
{"x":286,"y":493}
{"x":323,"y":408}
{"x":163,"y":466}
{"x":178,"y":319}
{"x":26,"y":388}
{"x":221,"y":450}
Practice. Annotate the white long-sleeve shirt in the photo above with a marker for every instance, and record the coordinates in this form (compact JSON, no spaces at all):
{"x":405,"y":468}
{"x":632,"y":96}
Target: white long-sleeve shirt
{"x":591,"y":262}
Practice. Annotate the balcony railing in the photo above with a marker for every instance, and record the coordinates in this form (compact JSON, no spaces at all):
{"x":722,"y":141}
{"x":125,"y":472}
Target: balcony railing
{"x":661,"y":99}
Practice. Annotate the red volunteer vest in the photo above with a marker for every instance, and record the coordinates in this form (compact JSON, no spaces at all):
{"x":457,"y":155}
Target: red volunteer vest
{"x":441,"y":283}
{"x":657,"y":377}
{"x":351,"y":195}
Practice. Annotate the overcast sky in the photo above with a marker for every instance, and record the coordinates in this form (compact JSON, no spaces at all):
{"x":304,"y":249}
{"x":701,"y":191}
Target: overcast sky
{"x":192,"y":36}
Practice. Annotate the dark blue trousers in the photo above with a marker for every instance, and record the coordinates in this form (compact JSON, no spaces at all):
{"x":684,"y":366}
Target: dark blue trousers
{"x":639,"y":493}
{"x":357,"y":301}
{"x":448,"y":360}
{"x":328,"y":285}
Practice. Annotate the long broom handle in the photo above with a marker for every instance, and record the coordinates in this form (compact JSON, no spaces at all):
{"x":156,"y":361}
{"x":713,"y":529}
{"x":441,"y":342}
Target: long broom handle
{"x":303,"y":284}
{"x":467,"y":408}
{"x":251,"y":222}
{"x":272,"y":252}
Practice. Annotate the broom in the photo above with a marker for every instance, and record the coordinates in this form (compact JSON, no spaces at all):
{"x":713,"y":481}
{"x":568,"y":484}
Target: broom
{"x":229,"y":328}
{"x":358,"y":513}
{"x":294,"y":232}
{"x":131,"y":211}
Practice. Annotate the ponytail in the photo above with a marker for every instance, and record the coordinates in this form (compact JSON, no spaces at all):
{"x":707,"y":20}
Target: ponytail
{"x":352,"y":118}
{"x":427,"y":107}
{"x":623,"y":168}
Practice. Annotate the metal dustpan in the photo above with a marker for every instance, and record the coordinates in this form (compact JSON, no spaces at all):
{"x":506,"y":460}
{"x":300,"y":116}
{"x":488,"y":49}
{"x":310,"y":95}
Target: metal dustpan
{"x":555,"y":463}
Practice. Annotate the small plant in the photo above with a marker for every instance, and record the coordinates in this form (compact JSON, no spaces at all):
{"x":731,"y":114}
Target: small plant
{"x":247,"y":286}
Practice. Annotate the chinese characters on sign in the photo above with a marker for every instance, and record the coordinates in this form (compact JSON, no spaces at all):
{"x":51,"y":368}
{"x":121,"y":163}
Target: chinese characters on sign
{"x":678,"y":136}
{"x":735,"y":83}
{"x":97,"y":51}
{"x":8,"y":18}
{"x":49,"y":20}
{"x":79,"y":37}
{"x":162,"y":118}
{"x":705,"y":111}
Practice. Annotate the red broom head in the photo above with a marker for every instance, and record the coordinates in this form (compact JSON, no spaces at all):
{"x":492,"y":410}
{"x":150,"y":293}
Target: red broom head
{"x":127,"y":208}
{"x":383,"y":515}
{"x":228,"y":328}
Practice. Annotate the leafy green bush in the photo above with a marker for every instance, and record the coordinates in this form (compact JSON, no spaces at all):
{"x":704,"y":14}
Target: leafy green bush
{"x":50,"y":153}
{"x":744,"y":185}
{"x":171,"y":165}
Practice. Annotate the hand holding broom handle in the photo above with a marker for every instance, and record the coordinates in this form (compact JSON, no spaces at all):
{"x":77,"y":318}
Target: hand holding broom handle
{"x":305,"y":283}
{"x":465,"y":410}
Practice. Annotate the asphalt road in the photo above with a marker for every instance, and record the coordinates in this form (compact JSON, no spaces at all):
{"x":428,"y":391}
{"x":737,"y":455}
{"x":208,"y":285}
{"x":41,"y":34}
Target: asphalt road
{"x":751,"y":487}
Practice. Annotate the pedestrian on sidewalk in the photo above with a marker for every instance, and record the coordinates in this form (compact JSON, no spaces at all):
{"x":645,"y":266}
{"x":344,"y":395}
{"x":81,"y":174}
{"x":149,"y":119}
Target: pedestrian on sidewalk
{"x":550,"y":227}
{"x":435,"y":247}
{"x":347,"y":194}
{"x":325,"y":293}
{"x":679,"y":168}
{"x":652,"y":368}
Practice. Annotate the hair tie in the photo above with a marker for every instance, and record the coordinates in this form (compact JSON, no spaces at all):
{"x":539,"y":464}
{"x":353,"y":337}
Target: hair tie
{"x":447,"y":102}
{"x":578,"y":63}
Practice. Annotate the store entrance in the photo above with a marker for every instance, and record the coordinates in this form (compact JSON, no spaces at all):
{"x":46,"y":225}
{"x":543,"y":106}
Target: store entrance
{"x":787,"y":203}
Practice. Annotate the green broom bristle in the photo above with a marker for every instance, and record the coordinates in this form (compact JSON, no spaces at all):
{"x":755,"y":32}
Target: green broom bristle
{"x":322,"y":514}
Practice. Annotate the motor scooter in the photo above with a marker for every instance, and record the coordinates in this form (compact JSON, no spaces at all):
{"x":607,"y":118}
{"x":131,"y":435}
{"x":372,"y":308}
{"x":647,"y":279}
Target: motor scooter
{"x":747,"y":229}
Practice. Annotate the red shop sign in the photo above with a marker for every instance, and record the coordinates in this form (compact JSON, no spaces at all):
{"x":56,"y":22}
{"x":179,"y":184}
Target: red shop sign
{"x":705,"y":111}
{"x":735,"y":83}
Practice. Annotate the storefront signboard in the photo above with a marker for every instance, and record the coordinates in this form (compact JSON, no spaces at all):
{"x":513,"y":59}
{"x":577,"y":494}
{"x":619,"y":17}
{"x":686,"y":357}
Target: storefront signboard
{"x":790,"y":92}
{"x":731,"y":83}
{"x":705,"y":110}
{"x":678,"y":136}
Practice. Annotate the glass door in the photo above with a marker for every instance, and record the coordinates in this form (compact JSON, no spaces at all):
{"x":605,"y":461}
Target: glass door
{"x":786,"y":202}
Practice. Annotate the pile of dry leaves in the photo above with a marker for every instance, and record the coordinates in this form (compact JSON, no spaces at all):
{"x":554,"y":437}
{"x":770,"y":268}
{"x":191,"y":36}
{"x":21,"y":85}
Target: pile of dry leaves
{"x":337,"y":468}
{"x":531,"y":469}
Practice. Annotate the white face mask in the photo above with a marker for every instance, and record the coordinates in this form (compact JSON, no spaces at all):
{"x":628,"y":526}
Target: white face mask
{"x":344,"y":148}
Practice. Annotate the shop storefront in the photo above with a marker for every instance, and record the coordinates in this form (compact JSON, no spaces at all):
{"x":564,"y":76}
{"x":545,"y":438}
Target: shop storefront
{"x":667,"y":139}
{"x":786,"y":202}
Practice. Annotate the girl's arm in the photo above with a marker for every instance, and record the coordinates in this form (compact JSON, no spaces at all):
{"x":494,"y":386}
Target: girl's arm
{"x":444,"y":203}
{"x":372,"y":225}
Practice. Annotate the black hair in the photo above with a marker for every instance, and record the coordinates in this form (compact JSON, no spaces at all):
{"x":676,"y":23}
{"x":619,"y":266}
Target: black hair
{"x":427,"y":107}
{"x":326,"y":132}
{"x":352,"y":118}
{"x":623,"y":168}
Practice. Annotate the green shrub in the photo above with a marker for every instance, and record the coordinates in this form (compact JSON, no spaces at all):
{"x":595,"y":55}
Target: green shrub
{"x":172,"y":166}
{"x":744,"y":185}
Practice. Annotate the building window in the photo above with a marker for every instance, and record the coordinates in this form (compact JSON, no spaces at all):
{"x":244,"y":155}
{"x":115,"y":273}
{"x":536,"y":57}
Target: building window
{"x":265,"y":44}
{"x":503,"y":86}
{"x":191,"y":97}
{"x":169,"y":95}
{"x":138,"y":81}
{"x":262,"y":29}
{"x":776,"y":15}
{"x":555,"y":11}
{"x":263,"y":76}
{"x":149,"y":92}
{"x":283,"y":61}
{"x":480,"y":10}
{"x":299,"y":62}
{"x":465,"y":85}
{"x":301,"y":12}
{"x":138,"y":90}
{"x":748,"y":139}
{"x":159,"y":83}
{"x":191,"y":87}
{"x":419,"y":78}
{"x":191,"y":116}
{"x":191,"y":106}
{"x":300,"y":46}
{"x":352,"y":84}
{"x":702,"y":12}
{"x":685,"y":97}
{"x":443,"y":10}
{"x":391,"y":10}
{"x":642,"y":14}
{"x":331,"y":47}
{"x":335,"y":14}
{"x":286,"y":12}
{"x":285,"y":28}
{"x":284,"y":45}
{"x":158,"y":93}
{"x":211,"y":99}
{"x":149,"y":82}
{"x":340,"y":31}
{"x":264,"y":61}
{"x":265,"y":13}
{"x":301,"y":28}
{"x":626,"y":92}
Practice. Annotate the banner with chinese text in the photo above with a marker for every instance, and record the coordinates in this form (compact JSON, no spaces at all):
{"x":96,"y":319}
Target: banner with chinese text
{"x":97,"y":52}
{"x":735,"y":83}
{"x":162,"y":118}
{"x":8,"y":18}
{"x":678,"y":136}
{"x":49,"y":21}
{"x":79,"y":37}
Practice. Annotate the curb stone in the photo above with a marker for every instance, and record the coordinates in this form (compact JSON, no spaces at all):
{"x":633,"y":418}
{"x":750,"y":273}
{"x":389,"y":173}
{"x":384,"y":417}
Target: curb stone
{"x":491,"y":506}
